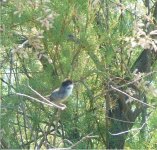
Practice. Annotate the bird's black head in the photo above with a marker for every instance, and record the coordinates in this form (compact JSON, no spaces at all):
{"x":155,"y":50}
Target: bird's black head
{"x":67,"y":82}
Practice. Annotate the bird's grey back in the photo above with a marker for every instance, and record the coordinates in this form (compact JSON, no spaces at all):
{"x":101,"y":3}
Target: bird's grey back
{"x":57,"y":95}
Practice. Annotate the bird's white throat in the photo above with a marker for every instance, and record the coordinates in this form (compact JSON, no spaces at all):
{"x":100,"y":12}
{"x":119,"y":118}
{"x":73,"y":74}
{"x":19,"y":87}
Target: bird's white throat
{"x":69,"y":89}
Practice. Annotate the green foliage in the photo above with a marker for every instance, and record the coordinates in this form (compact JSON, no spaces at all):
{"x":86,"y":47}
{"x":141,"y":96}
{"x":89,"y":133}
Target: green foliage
{"x":93,"y":43}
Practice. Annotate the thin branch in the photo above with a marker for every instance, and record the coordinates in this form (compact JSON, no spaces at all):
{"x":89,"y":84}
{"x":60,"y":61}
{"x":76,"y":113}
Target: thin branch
{"x":120,"y":120}
{"x":135,"y":129}
{"x":22,"y":45}
{"x":48,"y":102}
{"x":115,"y":134}
{"x":39,"y":137}
{"x":89,"y":136}
{"x":83,"y":139}
{"x":7,"y":83}
{"x":31,"y":128}
{"x":20,"y":131}
{"x":22,"y":72}
{"x":140,"y":129}
{"x":134,"y":81}
{"x":56,"y":126}
{"x":132,"y":97}
{"x":24,"y":116}
{"x":68,"y":141}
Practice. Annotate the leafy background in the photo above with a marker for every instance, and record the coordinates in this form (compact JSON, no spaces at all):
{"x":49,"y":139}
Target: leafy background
{"x":91,"y":42}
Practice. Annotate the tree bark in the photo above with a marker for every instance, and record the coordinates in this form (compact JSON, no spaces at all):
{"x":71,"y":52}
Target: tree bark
{"x":122,"y":116}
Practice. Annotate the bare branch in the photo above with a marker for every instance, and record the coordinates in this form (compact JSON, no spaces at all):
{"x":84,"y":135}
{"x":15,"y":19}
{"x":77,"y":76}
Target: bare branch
{"x":140,"y":101}
{"x":135,"y":129}
{"x":134,"y":81}
{"x":120,"y":120}
{"x":89,"y":136}
{"x":49,"y":104}
{"x":45,"y":99}
{"x":22,"y":45}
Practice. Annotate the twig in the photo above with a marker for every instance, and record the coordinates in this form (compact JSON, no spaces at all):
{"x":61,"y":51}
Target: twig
{"x":68,"y":141}
{"x":7,"y":83}
{"x":22,"y":45}
{"x":48,"y":102}
{"x":132,"y":97}
{"x":89,"y":136}
{"x":135,"y":129}
{"x":58,"y":113}
{"x":120,"y":120}
{"x":39,"y":137}
{"x":128,"y":130}
{"x":20,"y":131}
{"x":84,"y":138}
{"x":134,"y":81}
{"x":140,"y":129}
{"x":21,"y":72}
{"x":31,"y":129}
{"x":24,"y":119}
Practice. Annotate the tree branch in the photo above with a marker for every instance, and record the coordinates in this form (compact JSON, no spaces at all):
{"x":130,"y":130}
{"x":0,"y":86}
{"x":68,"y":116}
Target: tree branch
{"x":132,"y":97}
{"x":49,"y":104}
{"x":45,"y":99}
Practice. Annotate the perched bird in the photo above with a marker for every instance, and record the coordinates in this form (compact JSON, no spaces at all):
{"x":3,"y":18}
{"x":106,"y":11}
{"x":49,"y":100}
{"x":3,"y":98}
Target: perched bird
{"x":63,"y":92}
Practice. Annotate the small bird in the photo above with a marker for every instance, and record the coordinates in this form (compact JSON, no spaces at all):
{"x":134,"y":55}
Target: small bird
{"x":61,"y":94}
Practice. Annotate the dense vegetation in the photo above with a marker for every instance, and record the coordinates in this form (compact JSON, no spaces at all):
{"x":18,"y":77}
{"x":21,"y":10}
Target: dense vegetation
{"x":108,"y":48}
